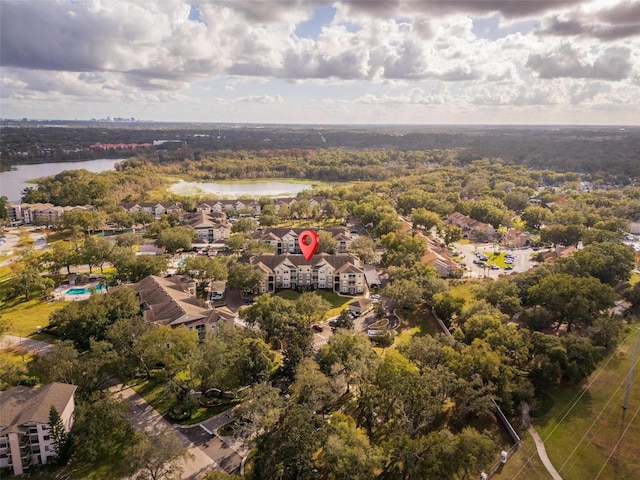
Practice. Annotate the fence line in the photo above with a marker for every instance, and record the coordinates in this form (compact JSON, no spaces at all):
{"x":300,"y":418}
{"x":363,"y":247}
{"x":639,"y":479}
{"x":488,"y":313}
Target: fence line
{"x":499,"y":413}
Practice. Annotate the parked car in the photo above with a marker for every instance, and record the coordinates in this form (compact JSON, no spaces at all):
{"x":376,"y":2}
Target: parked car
{"x":318,"y":328}
{"x":508,"y":267}
{"x":249,"y":301}
{"x":216,"y":296}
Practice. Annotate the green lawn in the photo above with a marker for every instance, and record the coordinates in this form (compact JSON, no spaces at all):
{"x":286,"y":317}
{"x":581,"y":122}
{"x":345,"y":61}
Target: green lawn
{"x":416,"y":324}
{"x":156,"y":394}
{"x":26,"y":316}
{"x":584,"y":424}
{"x":464,"y":290}
{"x":635,"y":278}
{"x":337,"y":302}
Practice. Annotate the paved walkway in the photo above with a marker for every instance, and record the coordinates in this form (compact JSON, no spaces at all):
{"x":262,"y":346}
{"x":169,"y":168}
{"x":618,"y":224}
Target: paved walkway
{"x":28,"y":344}
{"x":542,"y":452}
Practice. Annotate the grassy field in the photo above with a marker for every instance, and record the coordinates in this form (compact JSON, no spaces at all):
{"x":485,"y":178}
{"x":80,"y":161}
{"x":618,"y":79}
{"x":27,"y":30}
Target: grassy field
{"x":586,"y":432}
{"x":25,"y":317}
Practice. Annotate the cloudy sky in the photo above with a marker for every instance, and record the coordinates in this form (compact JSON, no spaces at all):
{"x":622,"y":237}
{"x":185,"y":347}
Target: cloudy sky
{"x":315,"y":61}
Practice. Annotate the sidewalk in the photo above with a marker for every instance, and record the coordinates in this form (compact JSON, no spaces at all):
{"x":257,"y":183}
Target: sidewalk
{"x":542,"y":452}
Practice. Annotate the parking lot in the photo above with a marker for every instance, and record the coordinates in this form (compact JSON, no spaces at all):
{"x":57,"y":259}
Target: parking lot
{"x":521,"y":259}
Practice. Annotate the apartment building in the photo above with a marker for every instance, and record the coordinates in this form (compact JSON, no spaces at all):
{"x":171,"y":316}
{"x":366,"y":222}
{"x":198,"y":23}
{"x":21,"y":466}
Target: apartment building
{"x":172,"y":301}
{"x":155,"y":209}
{"x":39,"y":213}
{"x":472,"y":229}
{"x":339,"y":273}
{"x":285,"y":240}
{"x":25,"y":433}
{"x":210,"y":226}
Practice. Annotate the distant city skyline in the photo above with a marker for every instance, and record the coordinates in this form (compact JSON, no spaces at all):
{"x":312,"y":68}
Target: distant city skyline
{"x":546,"y":62}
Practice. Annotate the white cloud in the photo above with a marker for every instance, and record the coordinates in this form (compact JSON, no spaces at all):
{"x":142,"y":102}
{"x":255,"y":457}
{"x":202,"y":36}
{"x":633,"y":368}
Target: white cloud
{"x":373,"y":55}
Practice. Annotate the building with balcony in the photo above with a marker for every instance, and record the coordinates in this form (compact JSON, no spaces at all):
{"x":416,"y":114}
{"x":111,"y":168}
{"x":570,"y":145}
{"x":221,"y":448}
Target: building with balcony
{"x":25,"y":433}
{"x":338,"y":273}
{"x":155,"y":209}
{"x":211,"y":227}
{"x":285,"y":240}
{"x":39,"y":213}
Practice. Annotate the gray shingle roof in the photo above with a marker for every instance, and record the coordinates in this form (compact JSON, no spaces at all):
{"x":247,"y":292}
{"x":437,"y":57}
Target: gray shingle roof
{"x":24,"y":405}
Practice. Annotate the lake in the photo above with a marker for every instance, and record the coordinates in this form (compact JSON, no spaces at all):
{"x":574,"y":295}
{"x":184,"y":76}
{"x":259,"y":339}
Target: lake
{"x":234,"y":190}
{"x":14,"y":181}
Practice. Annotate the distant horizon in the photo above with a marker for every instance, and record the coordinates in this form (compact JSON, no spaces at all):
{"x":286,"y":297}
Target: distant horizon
{"x":302,"y":124}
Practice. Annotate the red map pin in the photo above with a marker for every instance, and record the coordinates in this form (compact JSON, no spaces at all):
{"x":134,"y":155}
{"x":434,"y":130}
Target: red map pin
{"x":308,"y":241}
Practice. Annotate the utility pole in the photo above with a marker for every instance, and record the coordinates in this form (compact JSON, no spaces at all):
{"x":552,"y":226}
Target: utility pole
{"x":630,"y":377}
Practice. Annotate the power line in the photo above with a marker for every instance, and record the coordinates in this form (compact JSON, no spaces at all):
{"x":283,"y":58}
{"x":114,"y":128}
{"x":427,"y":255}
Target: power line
{"x":592,"y":424}
{"x":618,"y":443}
{"x":584,"y":391}
{"x":574,"y":402}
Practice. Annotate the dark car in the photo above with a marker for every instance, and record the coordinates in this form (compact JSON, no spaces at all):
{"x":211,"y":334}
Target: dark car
{"x":318,"y":328}
{"x":249,"y":301}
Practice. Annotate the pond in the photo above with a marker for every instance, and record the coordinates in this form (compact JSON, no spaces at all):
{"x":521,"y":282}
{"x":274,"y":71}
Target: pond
{"x":239,"y":189}
{"x":12,"y":182}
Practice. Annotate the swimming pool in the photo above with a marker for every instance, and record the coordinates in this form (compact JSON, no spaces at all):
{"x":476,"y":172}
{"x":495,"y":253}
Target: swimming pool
{"x":84,"y":291}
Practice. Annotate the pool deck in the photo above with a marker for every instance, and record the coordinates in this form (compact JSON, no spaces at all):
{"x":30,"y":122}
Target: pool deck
{"x":60,"y":293}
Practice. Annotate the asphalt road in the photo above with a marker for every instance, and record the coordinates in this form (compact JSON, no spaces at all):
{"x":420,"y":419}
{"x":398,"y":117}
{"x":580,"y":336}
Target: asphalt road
{"x":214,"y":447}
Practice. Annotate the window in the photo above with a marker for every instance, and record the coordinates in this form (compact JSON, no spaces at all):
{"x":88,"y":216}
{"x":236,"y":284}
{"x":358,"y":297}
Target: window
{"x":46,"y":448}
{"x":45,"y":438}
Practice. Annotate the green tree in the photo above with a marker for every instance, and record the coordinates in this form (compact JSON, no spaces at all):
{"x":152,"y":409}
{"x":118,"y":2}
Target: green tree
{"x":204,"y":269}
{"x":327,"y":242}
{"x":344,"y":320}
{"x":450,"y":233}
{"x":128,"y":239}
{"x":311,"y":387}
{"x":447,"y":306}
{"x":347,"y":452}
{"x":175,"y":238}
{"x":95,"y":252}
{"x":87,"y":319}
{"x":62,"y":440}
{"x":166,"y":346}
{"x":244,"y":277}
{"x":312,"y":307}
{"x":611,"y":263}
{"x":404,"y":293}
{"x":101,"y":428}
{"x":61,"y":255}
{"x":421,"y":217}
{"x":259,"y":411}
{"x":348,"y":355}
{"x":574,"y":300}
{"x":535,"y":217}
{"x":244,"y":225}
{"x":364,"y":248}
{"x":156,"y":457}
{"x":286,"y":450}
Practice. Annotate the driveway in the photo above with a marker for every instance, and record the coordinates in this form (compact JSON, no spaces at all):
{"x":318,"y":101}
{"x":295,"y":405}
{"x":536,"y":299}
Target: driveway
{"x":145,"y":417}
{"x":36,"y":346}
{"x":211,"y":452}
